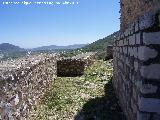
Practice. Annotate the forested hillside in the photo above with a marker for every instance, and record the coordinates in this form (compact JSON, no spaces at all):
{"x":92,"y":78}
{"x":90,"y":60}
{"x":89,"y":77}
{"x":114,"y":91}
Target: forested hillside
{"x":100,"y":45}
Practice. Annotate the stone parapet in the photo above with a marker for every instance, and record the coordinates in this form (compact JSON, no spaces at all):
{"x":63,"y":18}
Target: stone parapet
{"x":23,"y":82}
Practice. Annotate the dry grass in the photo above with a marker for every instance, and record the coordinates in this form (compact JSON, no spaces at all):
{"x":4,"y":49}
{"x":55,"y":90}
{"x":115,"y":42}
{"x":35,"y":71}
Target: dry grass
{"x":81,"y":98}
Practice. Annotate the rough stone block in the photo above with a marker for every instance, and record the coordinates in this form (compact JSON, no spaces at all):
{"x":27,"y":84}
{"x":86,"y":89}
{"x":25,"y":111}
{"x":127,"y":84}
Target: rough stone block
{"x":125,"y":50}
{"x":145,"y":53}
{"x":121,"y":43}
{"x":126,"y":32}
{"x":135,"y":65}
{"x":129,"y":50}
{"x":151,"y":71}
{"x":138,"y":83}
{"x":151,"y":38}
{"x":149,"y":105}
{"x":135,"y":52}
{"x":138,"y":38}
{"x":148,"y":89}
{"x":136,"y":26}
{"x":132,"y":40}
{"x":146,"y":21}
{"x":125,"y":42}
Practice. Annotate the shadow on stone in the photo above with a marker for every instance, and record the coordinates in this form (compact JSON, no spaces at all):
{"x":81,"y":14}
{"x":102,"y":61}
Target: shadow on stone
{"x":103,"y":108}
{"x":69,"y":75}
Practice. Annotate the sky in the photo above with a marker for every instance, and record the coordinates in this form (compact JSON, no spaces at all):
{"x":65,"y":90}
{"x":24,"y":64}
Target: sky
{"x":33,"y":25}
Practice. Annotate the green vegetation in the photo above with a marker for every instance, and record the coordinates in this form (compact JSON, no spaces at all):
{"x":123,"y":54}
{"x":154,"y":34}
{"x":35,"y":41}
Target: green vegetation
{"x":98,"y":46}
{"x":101,"y":44}
{"x":89,"y":97}
{"x":12,"y":55}
{"x":11,"y":52}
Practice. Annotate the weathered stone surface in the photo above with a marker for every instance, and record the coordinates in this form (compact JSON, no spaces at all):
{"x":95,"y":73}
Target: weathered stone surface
{"x":135,"y":52}
{"x":151,"y":71}
{"x":148,"y":89}
{"x":149,"y":105}
{"x":23,"y":82}
{"x":121,"y":43}
{"x":132,"y":40}
{"x":138,"y":38}
{"x":145,"y":53}
{"x":146,"y":21}
{"x":151,"y":38}
{"x":131,"y":10}
{"x":136,"y":61}
{"x":137,"y":65}
{"x":76,"y":65}
{"x":136,"y":25}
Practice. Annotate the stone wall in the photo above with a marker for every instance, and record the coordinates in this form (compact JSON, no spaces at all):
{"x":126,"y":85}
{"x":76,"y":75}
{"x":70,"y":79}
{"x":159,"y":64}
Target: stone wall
{"x":70,"y":67}
{"x":109,"y":52}
{"x":132,"y":9}
{"x":23,"y":82}
{"x":137,"y":62}
{"x":76,"y":65}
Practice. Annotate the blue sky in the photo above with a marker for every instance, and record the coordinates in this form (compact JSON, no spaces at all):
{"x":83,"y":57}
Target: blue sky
{"x":38,"y":25}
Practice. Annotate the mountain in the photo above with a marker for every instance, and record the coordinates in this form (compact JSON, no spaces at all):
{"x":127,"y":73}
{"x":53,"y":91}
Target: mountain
{"x":54,"y":47}
{"x":9,"y":51}
{"x":98,"y":46}
{"x":101,"y":44}
{"x":6,"y":47}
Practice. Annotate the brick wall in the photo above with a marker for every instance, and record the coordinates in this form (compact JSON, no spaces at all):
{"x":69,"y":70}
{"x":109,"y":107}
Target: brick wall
{"x":137,"y":64}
